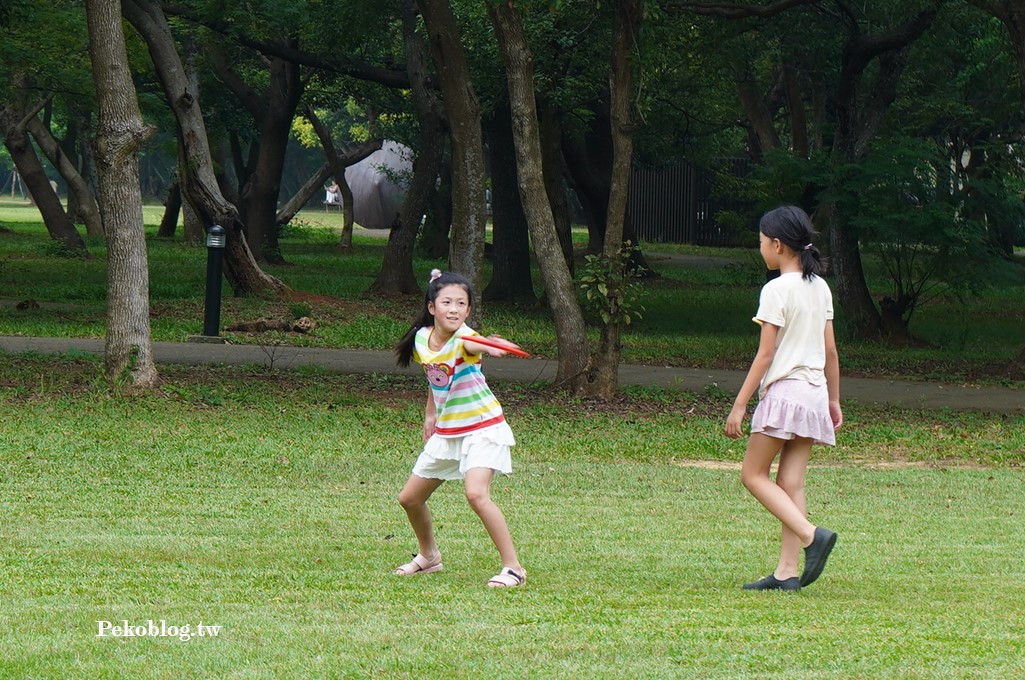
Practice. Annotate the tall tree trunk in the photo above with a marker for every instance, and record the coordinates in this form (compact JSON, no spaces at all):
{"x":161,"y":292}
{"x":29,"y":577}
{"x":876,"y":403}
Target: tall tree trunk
{"x":589,"y":160}
{"x":199,"y":184}
{"x":58,"y":224}
{"x":172,"y":209}
{"x":273,"y":111}
{"x":554,"y":167}
{"x":119,"y":134}
{"x":434,"y":241}
{"x":194,"y":229}
{"x":510,"y":256}
{"x":604,"y":373}
{"x":396,"y":274}
{"x":87,"y":208}
{"x":469,"y":214}
{"x":570,"y":331}
{"x":856,"y":121}
{"x":862,"y":317}
{"x":1012,"y":14}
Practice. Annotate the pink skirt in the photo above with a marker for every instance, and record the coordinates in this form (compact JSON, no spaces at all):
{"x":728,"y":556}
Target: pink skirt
{"x":795,"y":408}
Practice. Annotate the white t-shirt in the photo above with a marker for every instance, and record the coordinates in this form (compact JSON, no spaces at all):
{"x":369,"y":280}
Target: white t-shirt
{"x":800,"y":308}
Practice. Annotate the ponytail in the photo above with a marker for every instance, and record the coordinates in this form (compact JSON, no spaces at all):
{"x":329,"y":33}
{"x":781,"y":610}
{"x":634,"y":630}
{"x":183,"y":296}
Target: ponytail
{"x":811,"y":261}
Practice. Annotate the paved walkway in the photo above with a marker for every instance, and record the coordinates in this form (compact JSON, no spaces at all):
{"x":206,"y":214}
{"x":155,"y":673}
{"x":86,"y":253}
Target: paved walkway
{"x":894,"y":392}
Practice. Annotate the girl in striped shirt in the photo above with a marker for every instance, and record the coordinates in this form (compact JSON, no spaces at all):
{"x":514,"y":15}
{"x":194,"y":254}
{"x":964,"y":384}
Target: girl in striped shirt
{"x":465,"y":433}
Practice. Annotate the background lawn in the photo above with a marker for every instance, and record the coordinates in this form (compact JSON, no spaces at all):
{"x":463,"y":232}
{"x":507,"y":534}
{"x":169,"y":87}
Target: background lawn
{"x":264,"y":502}
{"x":696,"y":313}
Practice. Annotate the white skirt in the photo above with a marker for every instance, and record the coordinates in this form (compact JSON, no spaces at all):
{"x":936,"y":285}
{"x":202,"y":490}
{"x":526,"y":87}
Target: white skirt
{"x":450,"y":457}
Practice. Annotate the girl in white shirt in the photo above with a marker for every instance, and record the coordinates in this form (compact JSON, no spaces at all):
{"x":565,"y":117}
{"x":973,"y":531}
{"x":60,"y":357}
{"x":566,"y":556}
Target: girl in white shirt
{"x":796,"y":373}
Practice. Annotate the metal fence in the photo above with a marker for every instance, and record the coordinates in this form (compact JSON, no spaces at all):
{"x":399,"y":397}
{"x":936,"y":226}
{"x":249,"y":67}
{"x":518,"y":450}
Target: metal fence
{"x":678,"y":203}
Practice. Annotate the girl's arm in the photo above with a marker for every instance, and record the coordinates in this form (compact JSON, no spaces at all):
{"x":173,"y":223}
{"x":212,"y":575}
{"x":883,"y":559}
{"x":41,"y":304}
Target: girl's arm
{"x":430,"y":416}
{"x":833,"y":377}
{"x":759,"y":365}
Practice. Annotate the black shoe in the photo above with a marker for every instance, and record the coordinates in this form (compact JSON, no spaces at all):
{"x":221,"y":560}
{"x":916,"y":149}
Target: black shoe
{"x":770,"y":582}
{"x":816,"y":554}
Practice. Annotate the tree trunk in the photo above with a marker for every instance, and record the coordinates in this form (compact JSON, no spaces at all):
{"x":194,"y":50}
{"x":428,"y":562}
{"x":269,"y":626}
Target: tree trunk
{"x":172,"y":209}
{"x":589,"y":161}
{"x":273,"y":111}
{"x":1012,"y":14}
{"x":87,"y":208}
{"x":603,"y":375}
{"x":348,"y":209}
{"x":756,"y":111}
{"x":571,"y":334}
{"x":554,"y":168}
{"x":58,"y":224}
{"x":119,"y":134}
{"x":469,"y":214}
{"x":199,"y":183}
{"x":856,"y":121}
{"x":862,"y":317}
{"x":434,"y":241}
{"x":195,"y":232}
{"x":396,"y":275}
{"x":510,"y":260}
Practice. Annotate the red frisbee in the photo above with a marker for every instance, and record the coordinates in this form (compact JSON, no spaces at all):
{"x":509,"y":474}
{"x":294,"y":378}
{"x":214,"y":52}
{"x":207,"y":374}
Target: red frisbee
{"x":497,"y":344}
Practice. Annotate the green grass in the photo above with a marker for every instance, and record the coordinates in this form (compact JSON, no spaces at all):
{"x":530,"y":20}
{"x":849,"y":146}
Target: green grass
{"x":264,"y":502}
{"x":695,"y":314}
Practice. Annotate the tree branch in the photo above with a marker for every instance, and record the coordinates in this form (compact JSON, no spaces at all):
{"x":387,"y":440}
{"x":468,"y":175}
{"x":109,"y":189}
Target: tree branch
{"x":731,"y":10}
{"x":395,"y":76}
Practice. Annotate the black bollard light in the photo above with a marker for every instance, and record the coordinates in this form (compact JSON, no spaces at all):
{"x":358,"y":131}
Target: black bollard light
{"x":215,"y":239}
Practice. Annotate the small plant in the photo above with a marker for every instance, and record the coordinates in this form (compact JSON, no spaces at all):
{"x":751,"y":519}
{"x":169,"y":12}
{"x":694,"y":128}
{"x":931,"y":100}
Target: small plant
{"x":298,"y":229}
{"x":610,"y":287}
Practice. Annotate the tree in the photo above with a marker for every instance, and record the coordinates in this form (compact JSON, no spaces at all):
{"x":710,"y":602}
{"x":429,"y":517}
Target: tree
{"x":571,"y":335}
{"x":469,"y":215}
{"x":605,"y":360}
{"x":14,"y":121}
{"x":119,"y":134}
{"x":199,"y":183}
{"x":42,"y":58}
{"x":396,"y":273}
{"x":272,"y":104}
{"x":1012,"y":15}
{"x":87,"y":208}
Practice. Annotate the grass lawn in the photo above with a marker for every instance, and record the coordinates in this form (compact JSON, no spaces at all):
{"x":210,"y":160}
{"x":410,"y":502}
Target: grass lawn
{"x":263,"y":502}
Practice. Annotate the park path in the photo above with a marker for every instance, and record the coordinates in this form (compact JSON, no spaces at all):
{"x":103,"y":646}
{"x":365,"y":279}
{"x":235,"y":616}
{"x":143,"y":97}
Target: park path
{"x":906,"y":393}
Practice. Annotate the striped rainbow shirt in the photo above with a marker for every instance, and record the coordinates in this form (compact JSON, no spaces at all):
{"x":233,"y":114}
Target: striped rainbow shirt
{"x":462,"y":399}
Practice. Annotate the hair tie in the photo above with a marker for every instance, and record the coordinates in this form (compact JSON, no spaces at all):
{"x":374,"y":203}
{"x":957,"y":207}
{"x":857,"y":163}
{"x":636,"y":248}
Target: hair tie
{"x":807,"y":247}
{"x":435,"y":273}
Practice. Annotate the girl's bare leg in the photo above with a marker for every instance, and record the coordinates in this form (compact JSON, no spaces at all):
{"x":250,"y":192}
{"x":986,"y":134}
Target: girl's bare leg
{"x":413,"y":499}
{"x":761,"y":450}
{"x":793,"y":463}
{"x":478,"y":493}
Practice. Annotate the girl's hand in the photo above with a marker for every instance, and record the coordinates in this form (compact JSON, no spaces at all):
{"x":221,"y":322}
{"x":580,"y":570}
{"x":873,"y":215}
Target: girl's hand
{"x":430,"y":425}
{"x":835,"y":414}
{"x":735,"y":422}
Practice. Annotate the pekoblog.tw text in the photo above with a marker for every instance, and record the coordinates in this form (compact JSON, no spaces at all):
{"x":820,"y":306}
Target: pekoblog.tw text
{"x":155,"y":629}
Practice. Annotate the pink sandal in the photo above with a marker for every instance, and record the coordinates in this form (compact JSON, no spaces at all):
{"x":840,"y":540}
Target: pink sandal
{"x":419,"y":565}
{"x":507,"y":578}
